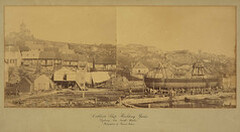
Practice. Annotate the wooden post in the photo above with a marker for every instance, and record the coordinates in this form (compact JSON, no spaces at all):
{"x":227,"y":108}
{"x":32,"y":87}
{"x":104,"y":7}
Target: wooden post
{"x":153,"y":85}
{"x":143,"y":85}
{"x":83,"y":94}
{"x":149,"y":105}
{"x":120,"y":101}
{"x":96,"y":100}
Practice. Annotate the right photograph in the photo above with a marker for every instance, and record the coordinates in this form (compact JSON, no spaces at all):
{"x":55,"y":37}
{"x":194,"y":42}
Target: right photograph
{"x":176,"y":56}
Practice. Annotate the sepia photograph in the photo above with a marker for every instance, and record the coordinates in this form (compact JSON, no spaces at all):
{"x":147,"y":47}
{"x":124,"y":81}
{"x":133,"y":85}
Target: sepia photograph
{"x":120,"y":57}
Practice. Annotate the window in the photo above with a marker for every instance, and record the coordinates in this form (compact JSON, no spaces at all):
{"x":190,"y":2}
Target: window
{"x":65,"y":77}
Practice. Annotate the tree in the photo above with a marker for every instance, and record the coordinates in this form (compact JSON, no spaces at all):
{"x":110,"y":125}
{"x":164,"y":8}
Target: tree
{"x":20,"y":37}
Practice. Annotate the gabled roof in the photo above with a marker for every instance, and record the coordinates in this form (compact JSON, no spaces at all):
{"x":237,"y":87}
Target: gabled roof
{"x":42,"y":77}
{"x":139,"y":65}
{"x":48,"y":55}
{"x":64,"y":70}
{"x":73,"y":57}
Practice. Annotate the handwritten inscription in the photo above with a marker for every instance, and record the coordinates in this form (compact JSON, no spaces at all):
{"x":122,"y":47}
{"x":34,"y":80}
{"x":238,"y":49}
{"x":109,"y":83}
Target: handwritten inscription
{"x":119,"y":119}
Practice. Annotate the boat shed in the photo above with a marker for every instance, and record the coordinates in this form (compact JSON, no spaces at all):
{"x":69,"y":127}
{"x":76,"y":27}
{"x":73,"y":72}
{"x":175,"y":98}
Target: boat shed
{"x":25,"y":85}
{"x":31,"y":84}
{"x":43,"y":83}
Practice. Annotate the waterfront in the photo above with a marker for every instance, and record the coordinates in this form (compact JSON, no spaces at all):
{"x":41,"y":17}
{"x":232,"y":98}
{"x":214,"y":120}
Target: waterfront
{"x":228,"y":102}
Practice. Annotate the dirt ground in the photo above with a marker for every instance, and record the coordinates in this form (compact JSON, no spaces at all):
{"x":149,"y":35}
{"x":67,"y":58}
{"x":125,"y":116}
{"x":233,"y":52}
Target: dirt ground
{"x":67,"y":98}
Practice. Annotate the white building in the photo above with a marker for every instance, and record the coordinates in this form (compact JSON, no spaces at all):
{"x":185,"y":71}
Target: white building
{"x":43,"y":83}
{"x":12,"y":56}
{"x":30,"y":57}
{"x":139,"y":70}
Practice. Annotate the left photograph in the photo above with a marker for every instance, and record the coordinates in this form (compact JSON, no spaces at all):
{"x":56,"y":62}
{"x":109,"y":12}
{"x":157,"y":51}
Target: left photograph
{"x":60,"y":56}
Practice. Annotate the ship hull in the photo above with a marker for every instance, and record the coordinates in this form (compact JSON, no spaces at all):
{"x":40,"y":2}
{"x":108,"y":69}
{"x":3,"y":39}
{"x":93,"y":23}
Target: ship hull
{"x":182,"y":82}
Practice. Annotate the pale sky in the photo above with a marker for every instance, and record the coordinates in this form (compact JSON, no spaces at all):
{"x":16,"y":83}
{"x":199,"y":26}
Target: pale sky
{"x":210,"y":29}
{"x":79,"y":24}
{"x":206,"y":28}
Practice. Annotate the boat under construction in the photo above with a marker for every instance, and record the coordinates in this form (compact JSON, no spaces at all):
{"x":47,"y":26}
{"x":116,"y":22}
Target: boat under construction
{"x":197,"y":83}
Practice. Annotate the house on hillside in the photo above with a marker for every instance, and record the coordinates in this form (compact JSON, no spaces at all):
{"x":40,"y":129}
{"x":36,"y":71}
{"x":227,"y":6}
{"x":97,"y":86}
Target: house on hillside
{"x":49,"y":58}
{"x":139,"y":70}
{"x":34,"y":45}
{"x":104,"y":64}
{"x":69,"y":60}
{"x":74,"y":61}
{"x":30,"y":57}
{"x":12,"y":56}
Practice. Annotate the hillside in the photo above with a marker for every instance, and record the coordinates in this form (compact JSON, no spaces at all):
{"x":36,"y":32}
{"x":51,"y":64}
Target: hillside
{"x":179,"y":61}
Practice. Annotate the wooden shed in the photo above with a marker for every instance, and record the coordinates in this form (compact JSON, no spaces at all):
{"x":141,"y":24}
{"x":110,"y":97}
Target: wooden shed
{"x":43,"y":83}
{"x":25,"y":85}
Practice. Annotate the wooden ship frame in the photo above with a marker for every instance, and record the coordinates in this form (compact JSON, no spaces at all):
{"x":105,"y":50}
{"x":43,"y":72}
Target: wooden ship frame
{"x":198,"y":83}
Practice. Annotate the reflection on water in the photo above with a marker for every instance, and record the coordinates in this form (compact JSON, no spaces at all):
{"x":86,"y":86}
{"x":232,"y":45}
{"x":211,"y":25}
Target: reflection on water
{"x":205,"y":103}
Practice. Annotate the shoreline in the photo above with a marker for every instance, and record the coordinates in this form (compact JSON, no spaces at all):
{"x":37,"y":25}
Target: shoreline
{"x":177,"y":98}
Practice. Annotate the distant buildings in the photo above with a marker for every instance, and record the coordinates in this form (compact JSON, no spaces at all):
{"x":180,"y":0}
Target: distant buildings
{"x":104,"y":64}
{"x":74,"y":60}
{"x":49,"y":58}
{"x":139,"y":70}
{"x":34,"y":46}
{"x":30,"y":57}
{"x":12,"y":56}
{"x":67,"y":68}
